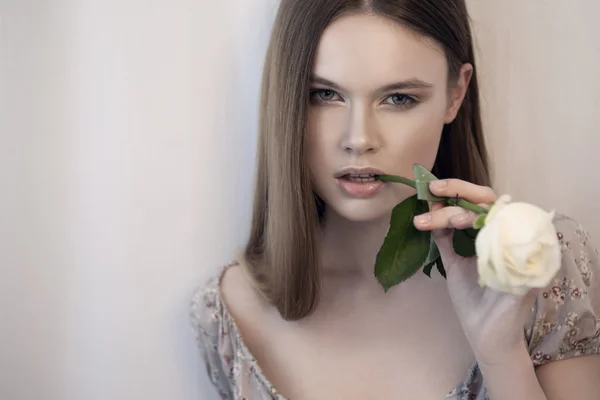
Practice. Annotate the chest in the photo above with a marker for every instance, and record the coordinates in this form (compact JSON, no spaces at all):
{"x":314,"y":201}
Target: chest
{"x":382,"y":370}
{"x":371,"y":355}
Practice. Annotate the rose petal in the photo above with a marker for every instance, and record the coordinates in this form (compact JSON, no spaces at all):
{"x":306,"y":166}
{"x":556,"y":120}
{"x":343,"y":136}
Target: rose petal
{"x":518,"y":247}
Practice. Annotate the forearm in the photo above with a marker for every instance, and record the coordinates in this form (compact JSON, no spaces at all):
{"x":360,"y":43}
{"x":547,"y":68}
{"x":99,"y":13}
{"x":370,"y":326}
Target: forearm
{"x":512,"y":378}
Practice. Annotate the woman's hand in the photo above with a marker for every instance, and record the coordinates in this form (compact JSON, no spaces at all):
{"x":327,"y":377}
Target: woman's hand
{"x":493,"y":322}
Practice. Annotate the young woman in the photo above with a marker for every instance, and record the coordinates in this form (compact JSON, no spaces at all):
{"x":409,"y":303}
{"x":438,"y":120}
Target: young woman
{"x":353,"y":88}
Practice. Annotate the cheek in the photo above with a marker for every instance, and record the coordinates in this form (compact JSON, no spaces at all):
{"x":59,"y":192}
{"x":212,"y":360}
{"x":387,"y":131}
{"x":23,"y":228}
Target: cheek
{"x":321,"y":144}
{"x":413,"y":137}
{"x":323,"y":134}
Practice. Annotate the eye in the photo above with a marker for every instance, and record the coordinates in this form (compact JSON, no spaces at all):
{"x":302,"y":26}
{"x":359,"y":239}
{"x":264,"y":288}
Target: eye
{"x":326,"y":94}
{"x":400,"y":100}
{"x":323,"y":95}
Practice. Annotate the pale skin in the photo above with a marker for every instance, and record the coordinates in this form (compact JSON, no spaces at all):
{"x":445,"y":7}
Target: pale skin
{"x":423,"y":335}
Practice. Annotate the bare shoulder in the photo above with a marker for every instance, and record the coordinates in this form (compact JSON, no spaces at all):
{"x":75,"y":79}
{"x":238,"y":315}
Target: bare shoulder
{"x":243,"y":302}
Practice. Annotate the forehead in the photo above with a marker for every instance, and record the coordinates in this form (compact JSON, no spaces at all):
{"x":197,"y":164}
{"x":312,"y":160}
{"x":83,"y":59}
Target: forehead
{"x":363,"y":50}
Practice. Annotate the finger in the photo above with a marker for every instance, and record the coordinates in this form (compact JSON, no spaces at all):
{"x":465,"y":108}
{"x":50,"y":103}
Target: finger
{"x":443,"y":218}
{"x":467,"y":190}
{"x":464,"y":220}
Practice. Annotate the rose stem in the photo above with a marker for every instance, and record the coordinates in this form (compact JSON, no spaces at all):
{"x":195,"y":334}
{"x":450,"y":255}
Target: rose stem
{"x":451,"y":201}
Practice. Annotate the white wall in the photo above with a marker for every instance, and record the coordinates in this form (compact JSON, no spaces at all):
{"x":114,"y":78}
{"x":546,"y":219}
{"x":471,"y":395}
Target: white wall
{"x":127,"y":151}
{"x":127,"y":136}
{"x":540,"y":64}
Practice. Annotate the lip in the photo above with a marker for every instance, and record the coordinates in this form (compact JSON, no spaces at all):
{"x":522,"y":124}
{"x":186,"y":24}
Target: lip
{"x":358,"y":171}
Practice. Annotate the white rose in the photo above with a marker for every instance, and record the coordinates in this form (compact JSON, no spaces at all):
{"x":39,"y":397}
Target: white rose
{"x":517,"y":248}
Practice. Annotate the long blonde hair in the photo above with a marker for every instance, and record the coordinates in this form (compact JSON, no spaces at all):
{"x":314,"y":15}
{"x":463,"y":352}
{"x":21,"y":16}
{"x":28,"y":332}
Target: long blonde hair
{"x":281,"y":255}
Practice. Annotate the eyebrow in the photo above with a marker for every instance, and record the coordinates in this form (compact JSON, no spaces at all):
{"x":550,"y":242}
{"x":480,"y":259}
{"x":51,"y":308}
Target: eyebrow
{"x":402,"y":85}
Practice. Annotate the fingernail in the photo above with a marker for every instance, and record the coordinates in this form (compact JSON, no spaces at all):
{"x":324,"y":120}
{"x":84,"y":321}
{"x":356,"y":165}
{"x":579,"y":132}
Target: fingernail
{"x":439,"y":184}
{"x":423,"y":219}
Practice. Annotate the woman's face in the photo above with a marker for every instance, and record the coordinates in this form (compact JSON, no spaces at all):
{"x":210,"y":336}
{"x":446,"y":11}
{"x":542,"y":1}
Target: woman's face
{"x":379,"y":100}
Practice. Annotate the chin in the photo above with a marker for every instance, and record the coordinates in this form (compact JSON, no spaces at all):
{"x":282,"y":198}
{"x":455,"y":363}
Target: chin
{"x":362,"y":210}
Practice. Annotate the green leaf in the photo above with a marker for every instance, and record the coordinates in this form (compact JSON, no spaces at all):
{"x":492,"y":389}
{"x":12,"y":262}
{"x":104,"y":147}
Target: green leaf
{"x":480,"y":221}
{"x":434,"y":258}
{"x":440,"y":267}
{"x":427,"y":268}
{"x":422,"y":179}
{"x":405,"y":247}
{"x":434,"y":252}
{"x":471,"y":232}
{"x":463,"y":242}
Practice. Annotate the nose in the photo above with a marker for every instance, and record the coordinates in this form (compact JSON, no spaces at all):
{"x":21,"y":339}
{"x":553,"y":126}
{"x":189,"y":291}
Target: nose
{"x":361,"y":135}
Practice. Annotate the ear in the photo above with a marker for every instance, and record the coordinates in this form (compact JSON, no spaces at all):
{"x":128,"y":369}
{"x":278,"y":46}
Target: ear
{"x":458,"y":92}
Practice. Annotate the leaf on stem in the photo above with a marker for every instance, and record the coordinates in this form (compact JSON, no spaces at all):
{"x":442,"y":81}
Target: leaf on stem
{"x":422,"y":179}
{"x":434,"y":258}
{"x":427,"y":268}
{"x":405,"y":248}
{"x":463,"y":242}
{"x":440,"y":267}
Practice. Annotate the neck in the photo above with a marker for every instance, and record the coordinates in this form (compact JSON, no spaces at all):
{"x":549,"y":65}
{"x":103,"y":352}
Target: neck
{"x":350,"y":248}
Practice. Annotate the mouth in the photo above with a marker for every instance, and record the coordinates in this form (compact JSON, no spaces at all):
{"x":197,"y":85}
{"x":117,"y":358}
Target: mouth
{"x":359,"y":174}
{"x":359,"y":177}
{"x":360,"y":182}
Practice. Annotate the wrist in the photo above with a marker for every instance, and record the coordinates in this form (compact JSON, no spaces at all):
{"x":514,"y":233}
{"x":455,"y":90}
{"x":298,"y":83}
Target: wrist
{"x":502,"y":357}
{"x":516,"y":358}
{"x":515,"y":367}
